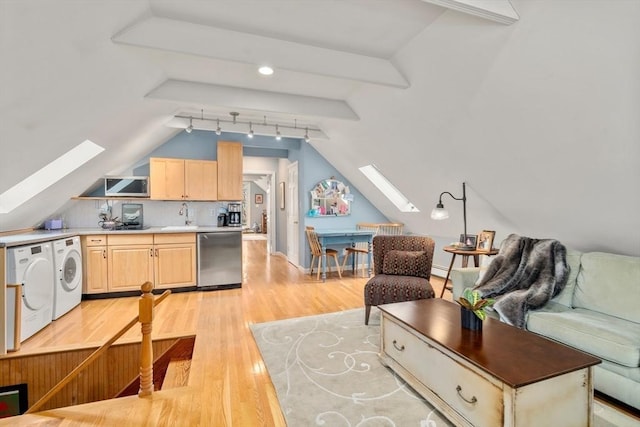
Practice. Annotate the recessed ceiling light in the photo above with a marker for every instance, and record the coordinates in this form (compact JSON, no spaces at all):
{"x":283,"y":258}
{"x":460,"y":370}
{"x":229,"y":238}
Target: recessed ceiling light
{"x":265,"y":70}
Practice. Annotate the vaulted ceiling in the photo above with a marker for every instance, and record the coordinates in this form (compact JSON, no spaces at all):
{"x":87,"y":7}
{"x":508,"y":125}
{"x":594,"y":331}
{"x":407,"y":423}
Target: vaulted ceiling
{"x":433,"y":92}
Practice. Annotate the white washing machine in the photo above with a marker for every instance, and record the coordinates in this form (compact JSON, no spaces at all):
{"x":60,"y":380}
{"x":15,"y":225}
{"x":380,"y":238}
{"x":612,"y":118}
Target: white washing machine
{"x":32,"y":267}
{"x":67,"y":291}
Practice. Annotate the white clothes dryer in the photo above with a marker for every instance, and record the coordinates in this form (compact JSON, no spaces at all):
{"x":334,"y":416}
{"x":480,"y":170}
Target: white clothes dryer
{"x":67,"y":291}
{"x":32,"y":267}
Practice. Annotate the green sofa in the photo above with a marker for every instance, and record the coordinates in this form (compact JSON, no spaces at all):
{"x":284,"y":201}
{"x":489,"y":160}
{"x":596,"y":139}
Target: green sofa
{"x":597,"y":312}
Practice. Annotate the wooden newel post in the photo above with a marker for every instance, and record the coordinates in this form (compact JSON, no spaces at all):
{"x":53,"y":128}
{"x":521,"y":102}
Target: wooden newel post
{"x":146,"y":350}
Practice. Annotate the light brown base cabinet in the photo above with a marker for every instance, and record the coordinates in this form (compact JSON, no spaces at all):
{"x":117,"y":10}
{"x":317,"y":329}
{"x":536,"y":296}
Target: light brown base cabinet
{"x":119,"y":263}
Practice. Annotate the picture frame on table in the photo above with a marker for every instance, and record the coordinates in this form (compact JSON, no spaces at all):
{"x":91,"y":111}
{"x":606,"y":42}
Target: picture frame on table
{"x":258,"y":199}
{"x":470,"y":241}
{"x":485,"y":240}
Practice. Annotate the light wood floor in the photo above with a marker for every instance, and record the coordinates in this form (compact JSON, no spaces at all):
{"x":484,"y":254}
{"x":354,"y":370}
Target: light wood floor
{"x":235,"y":377}
{"x":231,"y":375}
{"x":272,"y":289}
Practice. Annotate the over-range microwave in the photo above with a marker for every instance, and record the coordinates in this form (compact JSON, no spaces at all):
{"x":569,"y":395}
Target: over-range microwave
{"x":126,"y":186}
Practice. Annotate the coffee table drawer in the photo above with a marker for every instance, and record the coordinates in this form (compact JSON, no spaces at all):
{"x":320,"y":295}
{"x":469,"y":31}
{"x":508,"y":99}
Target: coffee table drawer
{"x":473,"y":396}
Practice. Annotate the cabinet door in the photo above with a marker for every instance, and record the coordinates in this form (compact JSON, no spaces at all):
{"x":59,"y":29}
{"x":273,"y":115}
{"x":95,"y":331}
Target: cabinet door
{"x":129,"y":267}
{"x":201,"y":179}
{"x":166,"y":179}
{"x":175,"y":265}
{"x":94,"y":268}
{"x":229,"y":170}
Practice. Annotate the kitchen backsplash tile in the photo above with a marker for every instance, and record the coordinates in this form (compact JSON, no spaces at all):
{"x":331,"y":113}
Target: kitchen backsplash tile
{"x":84,"y":213}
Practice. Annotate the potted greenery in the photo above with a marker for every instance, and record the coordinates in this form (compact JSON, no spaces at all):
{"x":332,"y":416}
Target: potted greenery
{"x":472,"y":308}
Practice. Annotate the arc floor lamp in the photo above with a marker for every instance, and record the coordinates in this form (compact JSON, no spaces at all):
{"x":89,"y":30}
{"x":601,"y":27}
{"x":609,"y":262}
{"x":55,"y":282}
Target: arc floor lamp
{"x":439,"y":212}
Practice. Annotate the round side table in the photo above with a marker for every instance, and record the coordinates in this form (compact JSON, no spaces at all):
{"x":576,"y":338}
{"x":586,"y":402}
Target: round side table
{"x":465,"y":260}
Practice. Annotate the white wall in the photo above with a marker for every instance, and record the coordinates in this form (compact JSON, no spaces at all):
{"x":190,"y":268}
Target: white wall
{"x":540,"y":118}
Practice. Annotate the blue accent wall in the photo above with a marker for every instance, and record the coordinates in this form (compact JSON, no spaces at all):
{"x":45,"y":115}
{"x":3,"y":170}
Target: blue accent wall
{"x":312,"y":168}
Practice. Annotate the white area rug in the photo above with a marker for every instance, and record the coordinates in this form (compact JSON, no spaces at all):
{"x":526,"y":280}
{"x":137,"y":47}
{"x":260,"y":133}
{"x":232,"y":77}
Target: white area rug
{"x":326,"y":372}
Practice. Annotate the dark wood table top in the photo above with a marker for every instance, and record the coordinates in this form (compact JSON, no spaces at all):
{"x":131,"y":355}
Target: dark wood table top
{"x":458,"y":251}
{"x":514,"y":356}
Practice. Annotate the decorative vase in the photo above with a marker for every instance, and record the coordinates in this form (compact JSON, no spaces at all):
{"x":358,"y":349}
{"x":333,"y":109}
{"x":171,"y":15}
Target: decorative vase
{"x":470,"y":320}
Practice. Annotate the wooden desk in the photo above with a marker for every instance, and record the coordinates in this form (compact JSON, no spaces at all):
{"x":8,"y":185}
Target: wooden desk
{"x":465,"y":260}
{"x":339,"y":237}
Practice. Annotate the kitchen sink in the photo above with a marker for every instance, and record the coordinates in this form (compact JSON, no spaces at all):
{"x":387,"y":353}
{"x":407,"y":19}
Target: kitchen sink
{"x":180,"y":227}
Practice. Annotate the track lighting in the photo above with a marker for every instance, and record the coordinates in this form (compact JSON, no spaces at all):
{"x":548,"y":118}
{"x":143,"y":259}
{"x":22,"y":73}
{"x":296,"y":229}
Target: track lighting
{"x":232,"y":124}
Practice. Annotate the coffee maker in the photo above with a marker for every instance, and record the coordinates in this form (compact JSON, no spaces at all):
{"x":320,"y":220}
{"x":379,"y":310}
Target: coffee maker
{"x":223,"y":220}
{"x":235,"y":214}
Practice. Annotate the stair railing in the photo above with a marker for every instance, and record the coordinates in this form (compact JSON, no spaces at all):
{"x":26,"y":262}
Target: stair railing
{"x":145,"y":316}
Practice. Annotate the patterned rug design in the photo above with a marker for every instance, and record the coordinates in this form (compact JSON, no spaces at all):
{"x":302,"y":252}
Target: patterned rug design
{"x":326,"y":372}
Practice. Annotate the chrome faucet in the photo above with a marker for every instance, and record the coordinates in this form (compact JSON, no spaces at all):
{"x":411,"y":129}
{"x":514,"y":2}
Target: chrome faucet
{"x":184,"y":210}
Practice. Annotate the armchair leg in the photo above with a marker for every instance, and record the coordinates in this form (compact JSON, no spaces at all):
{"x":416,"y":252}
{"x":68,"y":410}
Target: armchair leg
{"x":367,"y":312}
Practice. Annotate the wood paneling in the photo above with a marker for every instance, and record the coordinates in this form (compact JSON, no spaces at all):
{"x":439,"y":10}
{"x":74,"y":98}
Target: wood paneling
{"x":101,"y":380}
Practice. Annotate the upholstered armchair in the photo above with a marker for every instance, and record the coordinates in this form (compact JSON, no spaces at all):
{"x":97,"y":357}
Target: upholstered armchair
{"x":402,"y":267}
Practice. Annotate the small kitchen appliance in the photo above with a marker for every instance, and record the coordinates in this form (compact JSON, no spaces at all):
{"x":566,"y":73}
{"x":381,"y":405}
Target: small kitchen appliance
{"x":126,"y":186}
{"x":235,"y":214}
{"x":132,"y":217}
{"x":223,"y":220}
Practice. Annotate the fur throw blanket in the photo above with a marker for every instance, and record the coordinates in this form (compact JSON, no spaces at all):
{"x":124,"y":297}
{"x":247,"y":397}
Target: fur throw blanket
{"x":524,"y":275}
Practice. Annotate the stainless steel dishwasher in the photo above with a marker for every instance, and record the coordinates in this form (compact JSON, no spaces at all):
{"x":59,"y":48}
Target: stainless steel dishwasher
{"x":220,"y":260}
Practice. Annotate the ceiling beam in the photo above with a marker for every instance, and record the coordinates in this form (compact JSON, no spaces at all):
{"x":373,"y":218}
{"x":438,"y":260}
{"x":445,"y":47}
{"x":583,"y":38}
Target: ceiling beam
{"x":203,"y":94}
{"x":207,"y":41}
{"x":495,"y":10}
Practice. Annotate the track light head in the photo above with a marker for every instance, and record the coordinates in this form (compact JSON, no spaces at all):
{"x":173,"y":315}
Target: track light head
{"x":190,"y":127}
{"x":250,"y":134}
{"x":278,"y":135}
{"x":306,"y":135}
{"x":218,"y":130}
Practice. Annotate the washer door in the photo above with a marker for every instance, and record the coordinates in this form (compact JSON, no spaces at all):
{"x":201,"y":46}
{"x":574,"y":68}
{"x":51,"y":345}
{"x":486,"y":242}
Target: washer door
{"x":71,"y":274}
{"x":37,"y":289}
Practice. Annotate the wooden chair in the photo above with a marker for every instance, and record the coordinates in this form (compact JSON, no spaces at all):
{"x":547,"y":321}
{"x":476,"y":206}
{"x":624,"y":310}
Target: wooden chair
{"x":316,"y":251}
{"x":402,"y":266}
{"x":363,"y":248}
{"x":360,"y":248}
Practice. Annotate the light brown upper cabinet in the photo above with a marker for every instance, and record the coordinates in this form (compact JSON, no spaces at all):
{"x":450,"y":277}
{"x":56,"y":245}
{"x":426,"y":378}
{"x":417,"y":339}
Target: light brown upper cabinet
{"x":229,"y":170}
{"x":180,"y":179}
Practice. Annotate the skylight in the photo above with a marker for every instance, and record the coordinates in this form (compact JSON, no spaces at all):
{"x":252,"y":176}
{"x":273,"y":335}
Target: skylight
{"x":388,"y":189}
{"x":48,"y":175}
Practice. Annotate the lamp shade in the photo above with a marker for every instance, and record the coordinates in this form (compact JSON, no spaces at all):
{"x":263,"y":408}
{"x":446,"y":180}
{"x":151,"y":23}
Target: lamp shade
{"x":439,"y":212}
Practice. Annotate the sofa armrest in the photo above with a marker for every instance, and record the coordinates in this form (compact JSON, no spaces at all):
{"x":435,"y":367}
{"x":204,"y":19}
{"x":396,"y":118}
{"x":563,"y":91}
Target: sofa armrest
{"x":462,"y":278}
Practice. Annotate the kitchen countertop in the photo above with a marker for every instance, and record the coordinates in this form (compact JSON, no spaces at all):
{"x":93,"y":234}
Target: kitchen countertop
{"x":37,"y":236}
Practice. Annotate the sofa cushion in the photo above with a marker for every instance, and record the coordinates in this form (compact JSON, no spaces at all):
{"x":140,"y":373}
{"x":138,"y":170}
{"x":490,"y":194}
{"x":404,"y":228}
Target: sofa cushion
{"x":573,"y":262}
{"x":406,"y":263}
{"x":604,"y":336}
{"x":384,"y":289}
{"x":609,"y":284}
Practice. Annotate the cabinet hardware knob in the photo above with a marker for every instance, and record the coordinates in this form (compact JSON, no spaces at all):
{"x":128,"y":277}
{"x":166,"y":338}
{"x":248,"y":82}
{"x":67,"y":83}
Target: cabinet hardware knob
{"x":104,"y":253}
{"x":471,"y":401}
{"x":150,"y":252}
{"x":399,"y":348}
{"x":157,"y":253}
